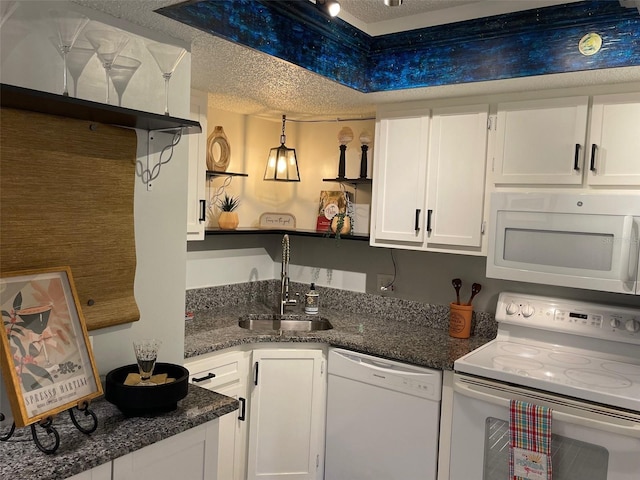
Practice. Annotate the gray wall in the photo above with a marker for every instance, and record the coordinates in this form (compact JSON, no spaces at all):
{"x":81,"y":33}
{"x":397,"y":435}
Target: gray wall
{"x":421,"y":276}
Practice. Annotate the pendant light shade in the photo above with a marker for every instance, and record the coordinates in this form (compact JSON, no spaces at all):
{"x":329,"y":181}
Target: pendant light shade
{"x":282,"y":164}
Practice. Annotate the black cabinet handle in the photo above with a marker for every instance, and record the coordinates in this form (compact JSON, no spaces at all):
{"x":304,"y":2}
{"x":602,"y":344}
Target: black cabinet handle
{"x":576,"y":164}
{"x":203,"y":211}
{"x":243,"y":409}
{"x":429,"y":212}
{"x":417,"y":224}
{"x":202,"y":379}
{"x":592,"y":166}
{"x":255,"y":374}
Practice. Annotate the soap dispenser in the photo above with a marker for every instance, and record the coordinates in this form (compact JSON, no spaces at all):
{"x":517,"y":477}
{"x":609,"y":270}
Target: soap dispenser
{"x":311,"y":299}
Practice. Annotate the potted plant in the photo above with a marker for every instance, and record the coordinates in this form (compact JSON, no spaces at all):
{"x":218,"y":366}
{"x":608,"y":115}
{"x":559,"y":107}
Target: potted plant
{"x":340,"y":224}
{"x":228,"y":219}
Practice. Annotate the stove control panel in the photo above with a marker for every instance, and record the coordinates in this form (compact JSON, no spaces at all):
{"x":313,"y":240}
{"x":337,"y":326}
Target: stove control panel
{"x":609,"y":322}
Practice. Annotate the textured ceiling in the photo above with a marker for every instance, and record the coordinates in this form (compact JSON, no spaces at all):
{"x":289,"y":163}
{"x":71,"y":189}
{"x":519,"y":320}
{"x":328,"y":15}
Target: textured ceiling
{"x":249,"y":82}
{"x":373,"y":11}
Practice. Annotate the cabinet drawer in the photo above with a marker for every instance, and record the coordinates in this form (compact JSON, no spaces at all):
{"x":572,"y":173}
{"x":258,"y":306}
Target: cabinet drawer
{"x":218,"y":370}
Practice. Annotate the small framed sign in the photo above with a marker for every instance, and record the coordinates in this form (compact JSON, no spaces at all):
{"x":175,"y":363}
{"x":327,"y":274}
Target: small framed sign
{"x":46,"y":358}
{"x":282,"y":221}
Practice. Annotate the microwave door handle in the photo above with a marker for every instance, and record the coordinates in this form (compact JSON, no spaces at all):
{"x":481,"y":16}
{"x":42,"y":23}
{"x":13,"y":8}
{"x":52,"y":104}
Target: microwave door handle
{"x":631,"y":429}
{"x":626,"y":269}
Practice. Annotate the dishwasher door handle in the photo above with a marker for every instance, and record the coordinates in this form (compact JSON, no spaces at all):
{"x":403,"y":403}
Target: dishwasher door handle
{"x":380,"y":365}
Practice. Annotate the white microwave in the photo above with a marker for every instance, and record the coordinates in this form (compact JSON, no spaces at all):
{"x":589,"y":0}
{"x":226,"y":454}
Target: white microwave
{"x":572,"y":240}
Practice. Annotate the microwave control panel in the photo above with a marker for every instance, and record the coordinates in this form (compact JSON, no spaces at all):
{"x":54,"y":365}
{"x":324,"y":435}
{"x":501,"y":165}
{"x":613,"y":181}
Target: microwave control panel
{"x":609,"y":322}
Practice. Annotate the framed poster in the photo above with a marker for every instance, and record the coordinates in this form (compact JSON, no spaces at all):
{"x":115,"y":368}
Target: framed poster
{"x":46,"y":358}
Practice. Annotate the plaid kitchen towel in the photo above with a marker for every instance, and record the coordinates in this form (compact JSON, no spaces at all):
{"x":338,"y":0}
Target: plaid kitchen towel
{"x":530,"y":441}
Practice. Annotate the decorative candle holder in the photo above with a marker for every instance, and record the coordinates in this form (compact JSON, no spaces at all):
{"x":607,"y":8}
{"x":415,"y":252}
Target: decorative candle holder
{"x":344,"y":136}
{"x":365,"y":140}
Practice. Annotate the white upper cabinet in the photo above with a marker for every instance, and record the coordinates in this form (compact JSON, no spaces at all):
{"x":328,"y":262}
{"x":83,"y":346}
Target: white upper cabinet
{"x":456,"y":176}
{"x":429,"y":179}
{"x":614,"y":140}
{"x":399,"y":187}
{"x":196,"y":191}
{"x":541,"y":141}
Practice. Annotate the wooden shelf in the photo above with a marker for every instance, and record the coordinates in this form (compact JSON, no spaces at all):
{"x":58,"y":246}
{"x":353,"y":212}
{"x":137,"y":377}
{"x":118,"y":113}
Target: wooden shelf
{"x":302,"y":233}
{"x":350,"y":181}
{"x":212,"y":173}
{"x":21,"y":98}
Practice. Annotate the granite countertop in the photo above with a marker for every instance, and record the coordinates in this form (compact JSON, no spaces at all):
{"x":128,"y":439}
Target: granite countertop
{"x":115,"y":436}
{"x":420,"y":343}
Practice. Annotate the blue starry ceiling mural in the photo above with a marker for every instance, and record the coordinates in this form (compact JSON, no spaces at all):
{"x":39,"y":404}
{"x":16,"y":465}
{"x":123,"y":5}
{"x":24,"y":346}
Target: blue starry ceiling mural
{"x":534,"y":42}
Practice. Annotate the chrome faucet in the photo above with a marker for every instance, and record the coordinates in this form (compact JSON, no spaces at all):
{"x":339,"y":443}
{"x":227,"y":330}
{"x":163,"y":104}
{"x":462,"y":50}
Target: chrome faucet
{"x":284,"y":277}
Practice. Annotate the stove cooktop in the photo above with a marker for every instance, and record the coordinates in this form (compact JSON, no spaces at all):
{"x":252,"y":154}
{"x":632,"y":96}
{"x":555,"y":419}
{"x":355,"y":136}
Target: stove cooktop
{"x":574,"y":373}
{"x":582,"y":350}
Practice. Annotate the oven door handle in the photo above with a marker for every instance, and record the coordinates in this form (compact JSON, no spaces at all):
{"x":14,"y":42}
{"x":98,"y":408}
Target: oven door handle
{"x":482,"y":392}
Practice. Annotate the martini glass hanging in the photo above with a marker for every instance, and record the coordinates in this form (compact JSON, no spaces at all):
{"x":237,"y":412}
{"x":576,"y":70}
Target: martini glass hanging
{"x":121,"y":72}
{"x":68,"y":25}
{"x":108,"y":44}
{"x":167,"y":57}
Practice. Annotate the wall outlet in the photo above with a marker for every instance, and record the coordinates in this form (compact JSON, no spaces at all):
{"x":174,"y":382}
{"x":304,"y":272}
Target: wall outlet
{"x":384,"y":285}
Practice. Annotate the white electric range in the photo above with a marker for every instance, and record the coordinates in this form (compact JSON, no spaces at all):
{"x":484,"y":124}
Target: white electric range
{"x":580,"y":359}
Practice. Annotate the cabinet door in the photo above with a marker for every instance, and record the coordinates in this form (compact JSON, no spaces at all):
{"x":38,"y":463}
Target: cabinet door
{"x":541,"y":142}
{"x":101,"y":472}
{"x":399,"y":179}
{"x":287,"y":415}
{"x":614,"y":156}
{"x":456,"y":175}
{"x":197,"y":203}
{"x":190,"y":455}
{"x":227,"y":373}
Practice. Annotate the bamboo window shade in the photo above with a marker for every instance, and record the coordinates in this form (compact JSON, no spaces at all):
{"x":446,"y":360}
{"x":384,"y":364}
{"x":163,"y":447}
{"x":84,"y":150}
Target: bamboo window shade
{"x":66,"y":198}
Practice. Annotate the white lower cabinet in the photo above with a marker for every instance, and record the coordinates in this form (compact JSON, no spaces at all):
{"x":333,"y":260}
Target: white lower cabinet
{"x":101,"y":472}
{"x":287,"y":409}
{"x":190,"y":455}
{"x":278,"y":431}
{"x":227,"y":373}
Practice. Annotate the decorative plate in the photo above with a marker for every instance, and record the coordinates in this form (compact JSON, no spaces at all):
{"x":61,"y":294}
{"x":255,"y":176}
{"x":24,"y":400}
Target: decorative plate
{"x":218,"y":151}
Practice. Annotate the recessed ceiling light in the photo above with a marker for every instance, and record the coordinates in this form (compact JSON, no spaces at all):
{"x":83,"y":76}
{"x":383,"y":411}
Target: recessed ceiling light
{"x":393,"y":3}
{"x":332,"y":7}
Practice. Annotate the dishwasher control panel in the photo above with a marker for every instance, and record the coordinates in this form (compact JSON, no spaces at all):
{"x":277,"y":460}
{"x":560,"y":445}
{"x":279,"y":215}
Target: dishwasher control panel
{"x":381,"y":372}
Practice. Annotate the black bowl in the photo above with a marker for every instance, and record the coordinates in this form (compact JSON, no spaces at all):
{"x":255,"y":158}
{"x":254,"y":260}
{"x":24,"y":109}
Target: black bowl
{"x":145,"y":400}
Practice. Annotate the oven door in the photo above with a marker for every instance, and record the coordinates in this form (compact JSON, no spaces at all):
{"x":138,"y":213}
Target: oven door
{"x":588,"y":441}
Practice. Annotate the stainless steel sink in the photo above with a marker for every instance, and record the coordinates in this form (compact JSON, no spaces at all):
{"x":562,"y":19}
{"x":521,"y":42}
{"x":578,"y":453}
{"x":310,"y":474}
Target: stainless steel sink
{"x":289,"y":322}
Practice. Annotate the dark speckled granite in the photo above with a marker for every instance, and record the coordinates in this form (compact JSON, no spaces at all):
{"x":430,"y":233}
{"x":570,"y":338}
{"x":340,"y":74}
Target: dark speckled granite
{"x":116,"y":436}
{"x":387,"y":327}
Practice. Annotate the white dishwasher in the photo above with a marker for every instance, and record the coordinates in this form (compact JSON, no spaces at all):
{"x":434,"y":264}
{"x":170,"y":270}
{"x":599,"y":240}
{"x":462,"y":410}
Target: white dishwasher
{"x":382,"y":419}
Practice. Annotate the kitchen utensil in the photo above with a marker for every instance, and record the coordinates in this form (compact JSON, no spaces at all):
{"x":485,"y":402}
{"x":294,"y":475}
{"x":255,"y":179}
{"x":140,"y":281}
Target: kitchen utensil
{"x":475,"y":289}
{"x":457,"y":284}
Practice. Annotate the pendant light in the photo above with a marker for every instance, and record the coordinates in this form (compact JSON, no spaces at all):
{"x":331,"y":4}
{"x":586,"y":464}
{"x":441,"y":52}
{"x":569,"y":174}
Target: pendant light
{"x":282,"y":164}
